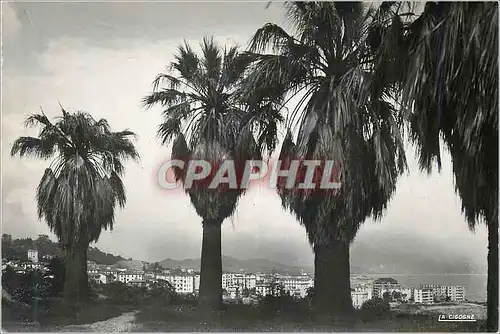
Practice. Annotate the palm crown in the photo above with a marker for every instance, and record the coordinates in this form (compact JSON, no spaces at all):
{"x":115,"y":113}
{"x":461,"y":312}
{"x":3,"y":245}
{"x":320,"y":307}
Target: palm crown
{"x":343,"y":113}
{"x":455,"y":97}
{"x":205,"y":113}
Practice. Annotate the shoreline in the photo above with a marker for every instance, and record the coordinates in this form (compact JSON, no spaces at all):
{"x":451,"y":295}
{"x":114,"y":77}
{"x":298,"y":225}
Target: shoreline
{"x":388,"y":274}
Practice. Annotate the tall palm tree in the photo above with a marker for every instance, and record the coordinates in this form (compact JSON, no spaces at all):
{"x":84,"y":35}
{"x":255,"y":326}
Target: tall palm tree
{"x":204,"y":113}
{"x":81,"y":188}
{"x":343,"y":116}
{"x":450,"y":87}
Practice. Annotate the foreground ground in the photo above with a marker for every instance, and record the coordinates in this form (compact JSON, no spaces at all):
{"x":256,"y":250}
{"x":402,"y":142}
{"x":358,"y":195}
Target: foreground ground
{"x":184,"y":318}
{"x":62,"y":318}
{"x":237,"y":318}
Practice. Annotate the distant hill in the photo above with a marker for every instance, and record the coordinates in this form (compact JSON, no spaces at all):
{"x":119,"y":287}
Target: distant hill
{"x":378,"y":254}
{"x":410,"y":254}
{"x":18,"y":249}
{"x":131,"y":264}
{"x":232,"y":264}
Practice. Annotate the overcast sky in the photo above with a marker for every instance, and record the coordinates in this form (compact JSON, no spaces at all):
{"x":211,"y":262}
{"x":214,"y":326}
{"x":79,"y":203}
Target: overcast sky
{"x":101,"y":58}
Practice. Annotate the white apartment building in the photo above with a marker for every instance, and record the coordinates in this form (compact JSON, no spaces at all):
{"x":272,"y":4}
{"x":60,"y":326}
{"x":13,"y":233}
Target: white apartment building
{"x":417,"y":296}
{"x":436,"y":289}
{"x":33,"y":255}
{"x":181,"y":283}
{"x":423,"y":296}
{"x":244,"y":281}
{"x":35,"y":265}
{"x":360,"y":295}
{"x":98,"y":278}
{"x":127,"y":276}
{"x":233,"y":292}
{"x":196,"y":283}
{"x":406,"y":293}
{"x":263,"y":289}
{"x":296,"y":285}
{"x":456,"y":293}
{"x":384,"y":283}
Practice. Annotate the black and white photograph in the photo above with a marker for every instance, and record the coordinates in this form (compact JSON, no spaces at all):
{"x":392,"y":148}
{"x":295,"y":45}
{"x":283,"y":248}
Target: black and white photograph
{"x":249,"y":166}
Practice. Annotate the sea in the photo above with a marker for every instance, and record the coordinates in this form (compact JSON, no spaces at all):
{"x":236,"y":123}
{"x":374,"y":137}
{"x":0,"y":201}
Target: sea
{"x":475,"y":283}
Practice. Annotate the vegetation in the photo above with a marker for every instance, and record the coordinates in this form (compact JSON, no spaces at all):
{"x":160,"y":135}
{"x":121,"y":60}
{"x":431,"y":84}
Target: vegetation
{"x":449,"y":87}
{"x":375,"y":307}
{"x":295,"y":316}
{"x":36,"y":297}
{"x":78,"y":193}
{"x":17,"y":249}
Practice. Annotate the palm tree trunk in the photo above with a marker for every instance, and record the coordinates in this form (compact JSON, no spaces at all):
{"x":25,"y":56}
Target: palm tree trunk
{"x":76,"y":285}
{"x":492,"y":285}
{"x":332,"y":282}
{"x":210,"y":298}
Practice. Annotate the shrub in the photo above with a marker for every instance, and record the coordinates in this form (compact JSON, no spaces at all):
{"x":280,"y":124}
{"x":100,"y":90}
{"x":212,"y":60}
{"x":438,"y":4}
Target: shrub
{"x":375,"y":307}
{"x":270,"y":306}
{"x":187,"y":300}
{"x":120,"y":293}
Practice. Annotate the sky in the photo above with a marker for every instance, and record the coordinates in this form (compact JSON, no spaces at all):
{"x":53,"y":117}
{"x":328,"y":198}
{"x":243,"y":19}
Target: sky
{"x":101,"y":58}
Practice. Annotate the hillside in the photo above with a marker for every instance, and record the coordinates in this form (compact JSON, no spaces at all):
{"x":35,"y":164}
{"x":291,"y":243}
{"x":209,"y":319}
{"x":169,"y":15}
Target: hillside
{"x":18,"y":249}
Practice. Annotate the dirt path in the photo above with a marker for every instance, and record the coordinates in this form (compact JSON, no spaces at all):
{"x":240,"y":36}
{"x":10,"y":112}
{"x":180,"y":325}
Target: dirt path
{"x":122,"y":323}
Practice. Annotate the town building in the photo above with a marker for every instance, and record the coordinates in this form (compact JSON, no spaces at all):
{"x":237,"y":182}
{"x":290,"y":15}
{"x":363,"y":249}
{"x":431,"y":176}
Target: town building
{"x":456,"y":293}
{"x":98,"y":278}
{"x":244,"y":281}
{"x":127,"y":276}
{"x":360,"y":294}
{"x":296,"y":285}
{"x":263,"y":289}
{"x":182,"y":283}
{"x":138,"y":283}
{"x":33,"y":255}
{"x":400,"y":294}
{"x":436,"y":289}
{"x":384,"y":283}
{"x":232,"y":292}
{"x":196,"y":283}
{"x":423,"y":296}
{"x":250,"y":300}
{"x":447,"y":293}
{"x":31,"y":265}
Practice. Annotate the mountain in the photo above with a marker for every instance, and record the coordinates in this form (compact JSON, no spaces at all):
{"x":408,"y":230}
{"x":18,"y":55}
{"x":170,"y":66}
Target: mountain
{"x":131,"y":264}
{"x":410,"y":254}
{"x":232,"y":264}
{"x":378,"y":253}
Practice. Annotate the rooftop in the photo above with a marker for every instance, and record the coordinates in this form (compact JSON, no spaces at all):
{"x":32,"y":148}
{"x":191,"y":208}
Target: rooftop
{"x":386,"y":280}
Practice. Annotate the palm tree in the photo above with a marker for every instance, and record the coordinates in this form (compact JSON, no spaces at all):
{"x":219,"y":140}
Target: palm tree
{"x":204,"y":113}
{"x":450,"y":87}
{"x":343,"y":116}
{"x":81,"y":188}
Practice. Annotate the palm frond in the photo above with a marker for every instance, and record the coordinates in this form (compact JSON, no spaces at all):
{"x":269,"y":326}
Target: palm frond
{"x":341,"y":116}
{"x":38,"y":148}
